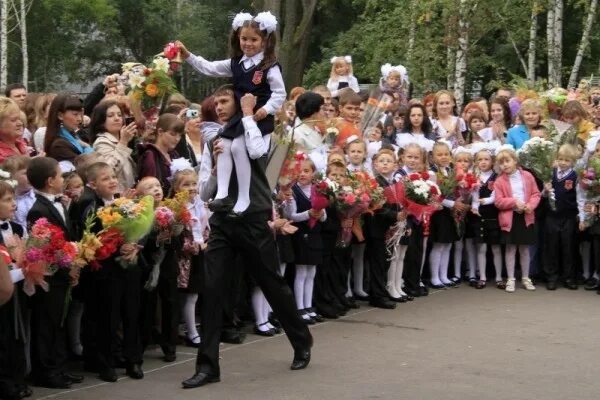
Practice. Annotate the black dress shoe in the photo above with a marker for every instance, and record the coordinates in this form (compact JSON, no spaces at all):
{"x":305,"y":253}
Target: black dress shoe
{"x":437,"y":286}
{"x":73,"y":378}
{"x":400,"y":299}
{"x":352,"y":303}
{"x":412,"y":293}
{"x":316,"y":317}
{"x":108,"y":375}
{"x":268,"y":332}
{"x":24,"y":391}
{"x":591,"y":284}
{"x":55,"y":382}
{"x":361,"y":298}
{"x":221,"y":205}
{"x":409,"y":297}
{"x":134,"y":371}
{"x":199,"y":379}
{"x":233,"y":337}
{"x":551,"y":285}
{"x":424,"y":290}
{"x":190,"y":342}
{"x":382,"y":303}
{"x":301,"y":359}
{"x":170,"y":357}
{"x":571,"y":284}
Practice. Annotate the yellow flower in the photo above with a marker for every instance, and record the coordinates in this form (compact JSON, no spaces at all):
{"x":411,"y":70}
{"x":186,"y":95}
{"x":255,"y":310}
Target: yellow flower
{"x":152,"y":90}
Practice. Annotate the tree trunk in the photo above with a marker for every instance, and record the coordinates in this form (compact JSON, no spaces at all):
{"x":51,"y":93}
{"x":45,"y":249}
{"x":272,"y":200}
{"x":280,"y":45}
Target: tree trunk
{"x":24,"y":49}
{"x":531,"y":51}
{"x":550,"y":41}
{"x":451,"y":64}
{"x":460,"y":70}
{"x":294,"y":39}
{"x":3,"y":43}
{"x":558,"y":33}
{"x":412,"y":32}
{"x":583,"y":44}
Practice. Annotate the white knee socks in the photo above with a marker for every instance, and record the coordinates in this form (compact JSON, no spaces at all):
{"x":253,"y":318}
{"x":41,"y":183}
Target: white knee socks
{"x":395,"y":281}
{"x":189,"y":316}
{"x":311,"y":271}
{"x":458,"y":256}
{"x":224,"y":169}
{"x":358,"y":268}
{"x":511,"y":254}
{"x":299,"y":281}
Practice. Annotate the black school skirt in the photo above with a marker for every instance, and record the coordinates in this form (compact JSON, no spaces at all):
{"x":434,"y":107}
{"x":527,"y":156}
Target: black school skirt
{"x":520,"y":234}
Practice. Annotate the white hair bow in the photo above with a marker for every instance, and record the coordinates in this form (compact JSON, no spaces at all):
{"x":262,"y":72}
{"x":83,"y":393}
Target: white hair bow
{"x":387,"y":68}
{"x":505,"y":146}
{"x":266,"y":21}
{"x":590,"y":144}
{"x":180,"y":164}
{"x":239,"y":19}
{"x":459,"y":150}
{"x":348,"y":59}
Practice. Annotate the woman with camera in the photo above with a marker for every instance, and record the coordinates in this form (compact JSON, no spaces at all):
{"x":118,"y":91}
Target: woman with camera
{"x":110,"y":133}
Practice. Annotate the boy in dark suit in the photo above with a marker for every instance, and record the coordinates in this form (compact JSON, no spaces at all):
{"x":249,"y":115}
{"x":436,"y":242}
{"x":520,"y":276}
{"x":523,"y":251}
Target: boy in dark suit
{"x":48,"y":340}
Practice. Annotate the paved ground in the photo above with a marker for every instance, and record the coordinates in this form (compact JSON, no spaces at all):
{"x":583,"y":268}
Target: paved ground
{"x":455,"y":344}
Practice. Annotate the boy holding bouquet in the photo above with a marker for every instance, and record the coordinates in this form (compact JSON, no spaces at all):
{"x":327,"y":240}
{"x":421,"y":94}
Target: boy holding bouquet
{"x":48,"y":340}
{"x":113,"y":295}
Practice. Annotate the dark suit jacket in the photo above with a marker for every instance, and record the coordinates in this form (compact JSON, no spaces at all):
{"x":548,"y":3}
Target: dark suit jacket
{"x":377,"y":225}
{"x":43,"y":208}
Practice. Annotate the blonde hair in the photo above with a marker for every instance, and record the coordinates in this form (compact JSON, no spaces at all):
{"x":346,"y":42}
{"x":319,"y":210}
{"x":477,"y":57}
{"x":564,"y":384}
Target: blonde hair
{"x":8,"y":106}
{"x":574,"y":108}
{"x":338,"y":61}
{"x":503,"y":154}
{"x":421,"y":151}
{"x":569,"y":152}
{"x":42,"y":104}
{"x":178,"y":177}
{"x":382,"y":152}
{"x":436,"y":98}
{"x":355,"y":141}
{"x":529,"y":104}
{"x":441,"y":144}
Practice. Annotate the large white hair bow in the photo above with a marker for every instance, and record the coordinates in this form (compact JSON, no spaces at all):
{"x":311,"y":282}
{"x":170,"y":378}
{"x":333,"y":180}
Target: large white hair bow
{"x":239,"y":19}
{"x":266,"y":21}
{"x":387,"y":68}
{"x":180,"y":164}
{"x":335,"y":59}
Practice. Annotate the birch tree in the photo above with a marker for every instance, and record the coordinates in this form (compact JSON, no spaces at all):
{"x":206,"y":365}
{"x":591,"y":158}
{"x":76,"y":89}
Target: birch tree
{"x":550,"y":40}
{"x":460,"y":71}
{"x":531,"y":50}
{"x":585,"y":38}
{"x":20,"y":14}
{"x":557,"y":44}
{"x":3,"y":43}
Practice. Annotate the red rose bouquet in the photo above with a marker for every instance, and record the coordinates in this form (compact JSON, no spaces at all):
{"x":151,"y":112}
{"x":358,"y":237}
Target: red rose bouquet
{"x":352,"y":199}
{"x":322,"y":194}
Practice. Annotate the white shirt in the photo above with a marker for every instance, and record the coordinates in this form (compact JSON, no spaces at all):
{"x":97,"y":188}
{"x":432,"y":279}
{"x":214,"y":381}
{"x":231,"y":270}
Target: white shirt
{"x":207,"y":182}
{"x":290,"y":207}
{"x":24,"y":203}
{"x":307,"y":137}
{"x":333,"y":85}
{"x":222,"y":69}
{"x":57,"y":204}
{"x":199,"y":219}
{"x":256,"y":144}
{"x":484,"y":177}
{"x":517,"y":186}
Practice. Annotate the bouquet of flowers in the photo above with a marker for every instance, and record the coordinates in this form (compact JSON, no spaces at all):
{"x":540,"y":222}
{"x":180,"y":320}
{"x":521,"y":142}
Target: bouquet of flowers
{"x":589,"y":183}
{"x":43,"y":253}
{"x":149,"y":86}
{"x":95,"y":247}
{"x":322,"y":194}
{"x":133,"y":218}
{"x":538,"y":155}
{"x":291,"y":167}
{"x":368,"y":184}
{"x":352,"y":199}
{"x":172,"y":216}
{"x":418,"y":195}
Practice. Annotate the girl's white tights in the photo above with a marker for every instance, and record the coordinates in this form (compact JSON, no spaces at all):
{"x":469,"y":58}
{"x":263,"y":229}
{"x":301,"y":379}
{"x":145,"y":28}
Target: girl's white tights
{"x":481,"y":261}
{"x":189,"y":316}
{"x":438,"y":263}
{"x":394,"y":276}
{"x":510,"y":255}
{"x":358,"y":268}
{"x":303,"y":285}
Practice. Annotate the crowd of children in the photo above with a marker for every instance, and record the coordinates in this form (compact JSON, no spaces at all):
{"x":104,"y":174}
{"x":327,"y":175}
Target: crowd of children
{"x":499,"y":228}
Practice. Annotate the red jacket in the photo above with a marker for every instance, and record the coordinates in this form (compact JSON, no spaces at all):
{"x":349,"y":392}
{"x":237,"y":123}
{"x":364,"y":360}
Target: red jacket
{"x":505,"y":202}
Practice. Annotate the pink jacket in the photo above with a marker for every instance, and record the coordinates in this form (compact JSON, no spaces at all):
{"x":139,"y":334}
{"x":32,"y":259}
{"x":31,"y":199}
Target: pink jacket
{"x":506,"y":203}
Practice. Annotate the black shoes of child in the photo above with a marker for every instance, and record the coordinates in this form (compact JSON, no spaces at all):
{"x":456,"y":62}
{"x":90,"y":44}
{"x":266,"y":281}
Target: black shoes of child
{"x":569,"y":284}
{"x":382,"y":303}
{"x":19,"y":392}
{"x":591,"y":284}
{"x":221,"y":205}
{"x":301,"y":359}
{"x":134,"y":371}
{"x":267,"y":332}
{"x":62,"y":381}
{"x":108,"y":375}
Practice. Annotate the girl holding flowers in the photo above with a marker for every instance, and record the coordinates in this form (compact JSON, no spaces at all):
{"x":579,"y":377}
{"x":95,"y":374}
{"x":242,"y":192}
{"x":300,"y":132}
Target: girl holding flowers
{"x":517,"y":197}
{"x":307,"y":242}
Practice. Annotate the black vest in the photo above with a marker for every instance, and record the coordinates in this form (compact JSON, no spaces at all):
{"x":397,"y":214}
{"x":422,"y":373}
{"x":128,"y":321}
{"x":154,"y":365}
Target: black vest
{"x":254,"y":80}
{"x":566,"y":194}
{"x":303,"y":204}
{"x":488,"y":211}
